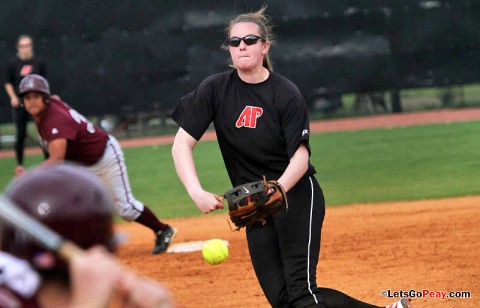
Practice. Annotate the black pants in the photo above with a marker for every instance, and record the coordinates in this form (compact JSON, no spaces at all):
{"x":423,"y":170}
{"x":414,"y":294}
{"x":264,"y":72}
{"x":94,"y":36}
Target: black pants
{"x":285,"y":252}
{"x":20,"y":119}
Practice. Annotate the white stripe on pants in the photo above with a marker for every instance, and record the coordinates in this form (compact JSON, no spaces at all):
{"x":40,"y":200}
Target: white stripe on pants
{"x":113,"y":171}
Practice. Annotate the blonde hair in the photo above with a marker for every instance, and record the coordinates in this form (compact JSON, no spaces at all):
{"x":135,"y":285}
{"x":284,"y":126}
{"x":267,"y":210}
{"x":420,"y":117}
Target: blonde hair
{"x":263,"y":22}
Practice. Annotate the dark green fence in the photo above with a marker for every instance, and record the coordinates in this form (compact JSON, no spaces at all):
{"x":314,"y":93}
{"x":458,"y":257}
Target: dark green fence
{"x":114,"y":57}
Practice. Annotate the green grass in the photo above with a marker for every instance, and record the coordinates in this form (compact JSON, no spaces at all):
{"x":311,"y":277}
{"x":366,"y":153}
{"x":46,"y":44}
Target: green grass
{"x":398,"y":164}
{"x":417,"y":162}
{"x":155,"y":182}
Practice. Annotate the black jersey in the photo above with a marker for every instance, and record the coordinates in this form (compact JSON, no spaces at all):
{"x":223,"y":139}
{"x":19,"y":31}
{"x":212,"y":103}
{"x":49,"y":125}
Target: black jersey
{"x":17,"y":69}
{"x":259,"y":126}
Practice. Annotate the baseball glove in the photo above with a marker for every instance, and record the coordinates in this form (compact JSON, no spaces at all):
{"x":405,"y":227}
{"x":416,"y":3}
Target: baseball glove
{"x":255,"y":202}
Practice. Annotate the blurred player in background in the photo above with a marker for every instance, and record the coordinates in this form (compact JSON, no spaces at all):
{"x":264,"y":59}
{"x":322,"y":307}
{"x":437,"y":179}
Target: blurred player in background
{"x":262,"y":127}
{"x":25,"y":62}
{"x":67,"y":135}
{"x":76,"y":205}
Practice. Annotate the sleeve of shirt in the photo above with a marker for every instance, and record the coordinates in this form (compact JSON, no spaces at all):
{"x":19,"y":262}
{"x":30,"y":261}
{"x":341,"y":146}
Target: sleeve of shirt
{"x":59,"y":128}
{"x":194,"y":111}
{"x":18,"y":275}
{"x":295,"y":123}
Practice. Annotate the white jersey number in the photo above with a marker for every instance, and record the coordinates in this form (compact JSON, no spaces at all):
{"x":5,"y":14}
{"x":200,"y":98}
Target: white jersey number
{"x":80,"y":118}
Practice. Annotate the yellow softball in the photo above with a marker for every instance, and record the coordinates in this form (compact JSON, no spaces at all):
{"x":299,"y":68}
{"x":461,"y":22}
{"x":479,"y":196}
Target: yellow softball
{"x":215,"y":251}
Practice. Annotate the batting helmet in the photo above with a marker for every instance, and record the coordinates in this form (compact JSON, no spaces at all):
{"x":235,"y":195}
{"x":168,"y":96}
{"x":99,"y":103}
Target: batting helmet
{"x":70,"y":200}
{"x":34,"y":82}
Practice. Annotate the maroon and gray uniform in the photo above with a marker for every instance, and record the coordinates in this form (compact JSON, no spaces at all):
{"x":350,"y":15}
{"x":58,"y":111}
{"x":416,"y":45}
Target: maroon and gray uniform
{"x":89,"y":145}
{"x":85,"y":142}
{"x":19,"y":282}
{"x":259,"y":128}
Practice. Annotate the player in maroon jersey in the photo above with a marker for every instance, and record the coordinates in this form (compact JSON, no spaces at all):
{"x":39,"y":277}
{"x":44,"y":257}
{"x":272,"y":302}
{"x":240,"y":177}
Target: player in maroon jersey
{"x":77,"y":206}
{"x":67,"y":135}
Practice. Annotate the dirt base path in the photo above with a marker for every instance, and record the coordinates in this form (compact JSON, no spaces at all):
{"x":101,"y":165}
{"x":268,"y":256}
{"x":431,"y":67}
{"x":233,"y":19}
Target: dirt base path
{"x":366,"y":248}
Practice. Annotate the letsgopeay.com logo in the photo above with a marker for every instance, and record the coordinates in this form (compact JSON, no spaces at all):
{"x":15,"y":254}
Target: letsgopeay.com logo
{"x":425,"y":293}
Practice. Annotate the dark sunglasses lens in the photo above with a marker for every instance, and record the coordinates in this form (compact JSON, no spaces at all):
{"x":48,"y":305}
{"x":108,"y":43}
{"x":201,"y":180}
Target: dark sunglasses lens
{"x":234,"y":41}
{"x":251,"y":40}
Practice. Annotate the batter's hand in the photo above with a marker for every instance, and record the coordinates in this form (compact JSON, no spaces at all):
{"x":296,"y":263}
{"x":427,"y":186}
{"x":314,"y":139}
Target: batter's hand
{"x":207,"y":202}
{"x":95,"y":275}
{"x":98,"y":279}
{"x":138,"y":292}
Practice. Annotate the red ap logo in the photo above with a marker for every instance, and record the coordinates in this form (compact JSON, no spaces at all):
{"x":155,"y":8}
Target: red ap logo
{"x":248,"y":117}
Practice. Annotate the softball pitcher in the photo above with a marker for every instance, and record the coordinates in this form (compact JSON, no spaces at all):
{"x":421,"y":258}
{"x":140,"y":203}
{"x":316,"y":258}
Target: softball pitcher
{"x":69,"y":136}
{"x":262,"y":126}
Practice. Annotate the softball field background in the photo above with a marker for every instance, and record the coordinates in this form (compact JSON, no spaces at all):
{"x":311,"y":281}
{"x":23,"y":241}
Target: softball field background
{"x":422,"y":246}
{"x":426,"y":246}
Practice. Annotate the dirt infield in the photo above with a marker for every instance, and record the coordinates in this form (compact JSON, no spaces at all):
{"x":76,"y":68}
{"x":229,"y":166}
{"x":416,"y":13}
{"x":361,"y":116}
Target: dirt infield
{"x":366,"y":248}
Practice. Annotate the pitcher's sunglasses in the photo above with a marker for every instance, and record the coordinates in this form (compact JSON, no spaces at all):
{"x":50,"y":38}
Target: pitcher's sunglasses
{"x":249,"y":40}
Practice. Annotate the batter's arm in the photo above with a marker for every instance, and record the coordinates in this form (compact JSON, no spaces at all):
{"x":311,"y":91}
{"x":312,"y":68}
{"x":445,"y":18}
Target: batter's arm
{"x":296,"y":168}
{"x":182,"y":152}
